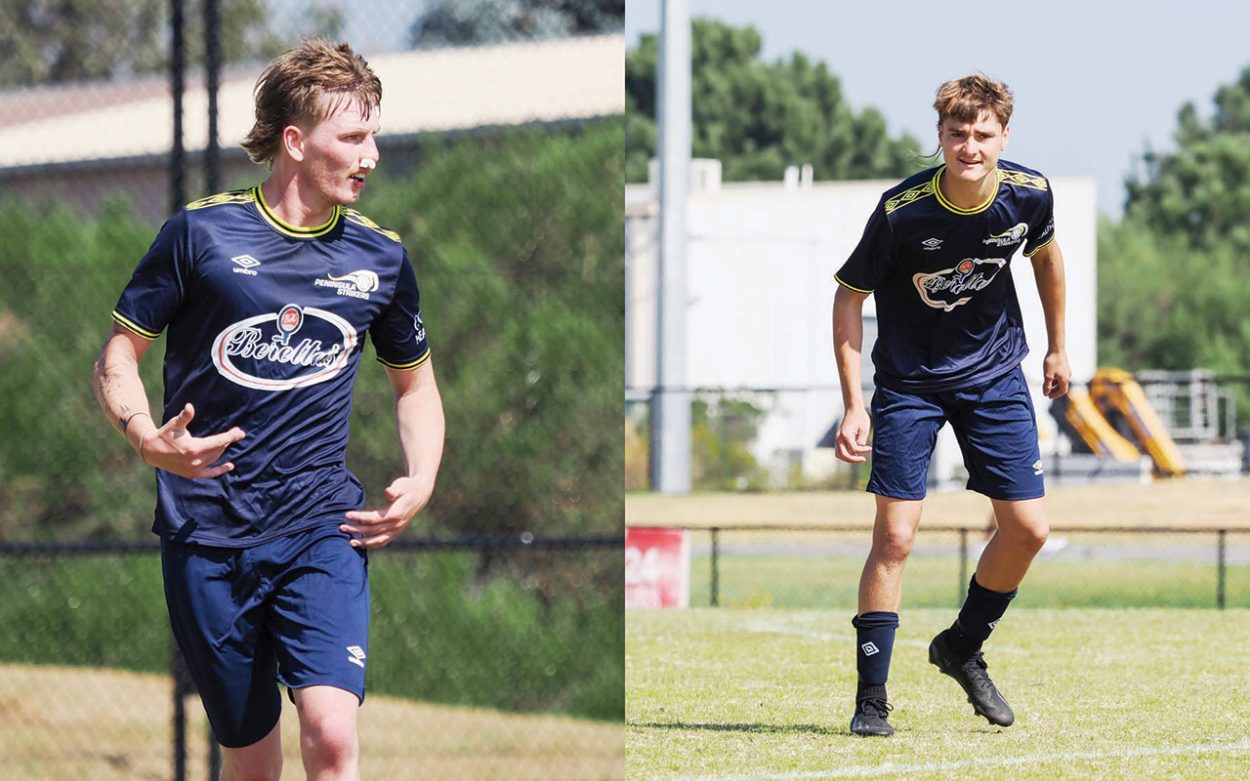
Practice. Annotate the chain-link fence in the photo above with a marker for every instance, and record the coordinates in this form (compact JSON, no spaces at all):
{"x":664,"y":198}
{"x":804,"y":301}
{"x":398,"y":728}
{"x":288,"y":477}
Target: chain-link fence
{"x":1190,"y":565}
{"x":493,"y":658}
{"x":501,"y":169}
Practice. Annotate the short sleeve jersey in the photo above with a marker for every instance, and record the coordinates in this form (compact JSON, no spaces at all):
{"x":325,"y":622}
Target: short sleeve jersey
{"x":947,"y":312}
{"x":265,"y":326}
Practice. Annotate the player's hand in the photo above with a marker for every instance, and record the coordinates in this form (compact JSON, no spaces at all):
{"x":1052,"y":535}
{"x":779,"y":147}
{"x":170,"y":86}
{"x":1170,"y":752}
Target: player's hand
{"x":1055,"y":374}
{"x":407,"y":496}
{"x":852,"y":445}
{"x":172,"y":448}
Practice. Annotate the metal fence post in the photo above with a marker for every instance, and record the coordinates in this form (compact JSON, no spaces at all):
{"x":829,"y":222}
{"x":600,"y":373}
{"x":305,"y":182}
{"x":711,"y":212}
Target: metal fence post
{"x":1220,"y":567}
{"x":183,"y":687}
{"x":177,"y":85}
{"x":715,"y":567}
{"x":212,"y":78}
{"x":961,"y":592}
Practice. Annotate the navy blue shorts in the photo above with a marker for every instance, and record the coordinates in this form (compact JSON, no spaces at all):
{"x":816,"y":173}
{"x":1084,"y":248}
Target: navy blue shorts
{"x":995,"y":426}
{"x":294,"y":610}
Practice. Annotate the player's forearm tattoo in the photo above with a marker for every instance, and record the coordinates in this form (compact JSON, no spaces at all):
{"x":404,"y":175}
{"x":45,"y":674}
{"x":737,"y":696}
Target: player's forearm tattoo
{"x":125,"y":419}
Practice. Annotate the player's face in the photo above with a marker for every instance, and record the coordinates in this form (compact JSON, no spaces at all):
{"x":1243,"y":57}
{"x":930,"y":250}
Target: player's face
{"x":339,"y":152}
{"x":971,"y":149}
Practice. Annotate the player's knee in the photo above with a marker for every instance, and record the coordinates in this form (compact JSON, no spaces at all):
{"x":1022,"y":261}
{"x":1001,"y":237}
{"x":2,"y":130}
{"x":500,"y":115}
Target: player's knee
{"x":1031,"y":536}
{"x":1038,"y":534}
{"x":894,"y":546}
{"x":329,"y":744}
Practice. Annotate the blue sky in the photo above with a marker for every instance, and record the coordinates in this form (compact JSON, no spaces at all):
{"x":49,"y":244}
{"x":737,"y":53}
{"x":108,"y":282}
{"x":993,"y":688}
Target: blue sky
{"x":1096,"y":81}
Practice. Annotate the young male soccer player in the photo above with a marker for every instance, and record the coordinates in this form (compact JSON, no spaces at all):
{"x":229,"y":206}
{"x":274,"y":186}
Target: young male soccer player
{"x":950,"y":341}
{"x":267,"y":295}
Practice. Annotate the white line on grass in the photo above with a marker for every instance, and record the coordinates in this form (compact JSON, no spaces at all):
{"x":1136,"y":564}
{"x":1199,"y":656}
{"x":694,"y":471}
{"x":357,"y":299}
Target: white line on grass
{"x":766,"y":626}
{"x":890,"y":769}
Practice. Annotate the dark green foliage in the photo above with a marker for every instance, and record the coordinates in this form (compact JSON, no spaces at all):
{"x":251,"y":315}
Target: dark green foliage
{"x":516,"y":240}
{"x":721,"y":437}
{"x":56,"y":42}
{"x":757,"y":117}
{"x":63,"y":471}
{"x":1172,"y":275}
{"x":471,"y":22}
{"x":440,"y":630}
{"x":1199,"y":191}
{"x":549,"y":638}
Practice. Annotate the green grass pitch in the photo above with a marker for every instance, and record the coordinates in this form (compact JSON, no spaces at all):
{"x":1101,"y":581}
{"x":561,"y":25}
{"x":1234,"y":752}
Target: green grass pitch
{"x":766,"y":694}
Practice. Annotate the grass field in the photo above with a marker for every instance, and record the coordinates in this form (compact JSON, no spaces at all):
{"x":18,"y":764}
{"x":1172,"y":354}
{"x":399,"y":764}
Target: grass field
{"x":766,"y":694}
{"x":1062,"y":580}
{"x":1116,"y":664}
{"x":45,"y":738}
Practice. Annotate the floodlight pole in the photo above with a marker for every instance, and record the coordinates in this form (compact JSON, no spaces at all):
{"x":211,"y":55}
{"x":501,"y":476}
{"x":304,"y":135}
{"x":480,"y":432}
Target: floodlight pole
{"x":670,"y":407}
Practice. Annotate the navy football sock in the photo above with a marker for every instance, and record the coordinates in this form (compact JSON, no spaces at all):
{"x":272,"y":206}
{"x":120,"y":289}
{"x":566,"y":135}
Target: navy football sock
{"x":874,"y":638}
{"x":978,"y":617}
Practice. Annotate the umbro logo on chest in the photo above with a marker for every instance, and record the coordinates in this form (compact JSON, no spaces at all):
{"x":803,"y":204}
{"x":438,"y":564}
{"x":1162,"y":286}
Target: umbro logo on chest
{"x":931,"y":244}
{"x":245,"y":264}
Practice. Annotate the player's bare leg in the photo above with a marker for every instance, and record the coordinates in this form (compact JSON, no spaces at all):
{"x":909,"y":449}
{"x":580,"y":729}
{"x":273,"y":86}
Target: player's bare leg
{"x":329,"y":745}
{"x":893,"y":533}
{"x":1022,"y":531}
{"x":261,"y":761}
{"x":880,"y":592}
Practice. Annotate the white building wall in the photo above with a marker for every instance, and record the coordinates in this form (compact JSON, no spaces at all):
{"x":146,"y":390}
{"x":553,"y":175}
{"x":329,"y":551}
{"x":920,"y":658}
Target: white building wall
{"x":761,"y":261}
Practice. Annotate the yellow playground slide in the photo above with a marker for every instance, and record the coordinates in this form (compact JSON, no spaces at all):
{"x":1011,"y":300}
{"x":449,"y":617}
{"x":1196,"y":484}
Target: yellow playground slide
{"x":1116,"y":389}
{"x":1094,"y":430}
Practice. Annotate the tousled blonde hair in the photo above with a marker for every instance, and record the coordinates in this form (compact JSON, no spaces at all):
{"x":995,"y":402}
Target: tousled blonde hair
{"x":965,"y":99}
{"x":304,"y":85}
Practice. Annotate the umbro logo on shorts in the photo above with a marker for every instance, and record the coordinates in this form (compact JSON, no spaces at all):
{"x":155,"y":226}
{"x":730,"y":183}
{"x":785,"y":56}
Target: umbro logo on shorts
{"x":993,"y":624}
{"x":1037,"y":467}
{"x":357,"y":656}
{"x":869,"y":649}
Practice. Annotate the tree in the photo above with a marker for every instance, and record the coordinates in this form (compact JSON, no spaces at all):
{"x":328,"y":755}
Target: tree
{"x":56,"y":41}
{"x":1202,"y":190}
{"x":516,"y":241}
{"x":757,"y":118}
{"x":1164,"y":305}
{"x":465,"y":22}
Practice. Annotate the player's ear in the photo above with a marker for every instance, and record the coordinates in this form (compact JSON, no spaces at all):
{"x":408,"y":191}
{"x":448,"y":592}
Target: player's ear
{"x":1006,"y":135}
{"x":293,"y":142}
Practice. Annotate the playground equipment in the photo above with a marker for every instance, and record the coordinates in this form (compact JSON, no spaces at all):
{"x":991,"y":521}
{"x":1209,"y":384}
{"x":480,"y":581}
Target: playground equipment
{"x":1116,"y":392}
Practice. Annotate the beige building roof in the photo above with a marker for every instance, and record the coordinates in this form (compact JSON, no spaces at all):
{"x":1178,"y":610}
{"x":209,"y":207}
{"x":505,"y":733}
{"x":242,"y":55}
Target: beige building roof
{"x":423,"y":91}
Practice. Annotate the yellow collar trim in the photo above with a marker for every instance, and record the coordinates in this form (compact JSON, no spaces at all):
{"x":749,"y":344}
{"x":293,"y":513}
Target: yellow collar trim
{"x":287,"y":229}
{"x":937,"y":190}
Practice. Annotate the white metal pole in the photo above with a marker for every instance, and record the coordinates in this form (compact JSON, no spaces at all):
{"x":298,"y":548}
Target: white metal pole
{"x":670,"y":408}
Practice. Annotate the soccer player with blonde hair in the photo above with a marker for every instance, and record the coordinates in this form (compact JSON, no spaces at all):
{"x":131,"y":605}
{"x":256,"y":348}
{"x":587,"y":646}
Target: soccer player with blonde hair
{"x":950,"y":339}
{"x":266,"y":296}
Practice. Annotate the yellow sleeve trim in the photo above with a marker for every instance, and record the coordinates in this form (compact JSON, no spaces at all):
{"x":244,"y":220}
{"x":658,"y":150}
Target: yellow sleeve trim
{"x":405,"y":366}
{"x":129,"y":325}
{"x":851,"y":287}
{"x":1040,"y":247}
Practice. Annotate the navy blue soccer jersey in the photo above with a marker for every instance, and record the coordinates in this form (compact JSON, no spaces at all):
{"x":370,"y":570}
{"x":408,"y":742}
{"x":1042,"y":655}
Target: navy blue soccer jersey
{"x":947,"y":312}
{"x":265,"y":327}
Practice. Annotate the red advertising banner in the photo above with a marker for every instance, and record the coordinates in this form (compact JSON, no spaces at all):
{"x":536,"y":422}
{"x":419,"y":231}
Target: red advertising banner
{"x":657,"y":568}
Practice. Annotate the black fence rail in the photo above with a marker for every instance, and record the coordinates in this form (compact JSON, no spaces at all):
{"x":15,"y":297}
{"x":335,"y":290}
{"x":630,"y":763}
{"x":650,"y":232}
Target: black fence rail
{"x":501,"y":652}
{"x":1121,"y":566}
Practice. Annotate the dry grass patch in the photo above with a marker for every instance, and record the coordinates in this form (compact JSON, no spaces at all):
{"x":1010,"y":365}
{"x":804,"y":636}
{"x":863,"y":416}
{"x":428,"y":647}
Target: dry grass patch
{"x":106,"y":725}
{"x":1192,"y":502}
